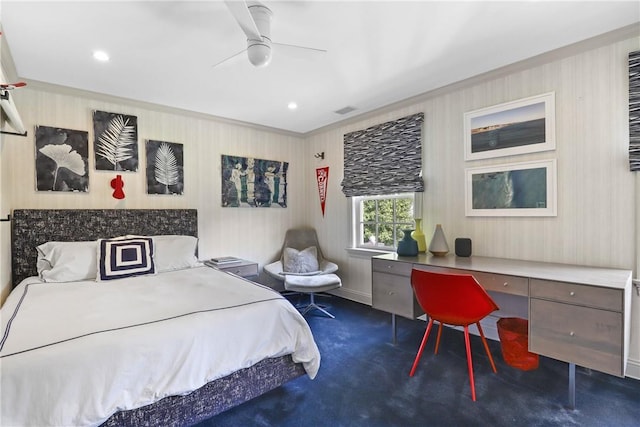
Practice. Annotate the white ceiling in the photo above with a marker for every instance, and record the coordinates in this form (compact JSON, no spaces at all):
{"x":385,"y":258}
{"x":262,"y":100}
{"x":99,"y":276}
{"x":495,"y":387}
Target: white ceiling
{"x":378,"y":52}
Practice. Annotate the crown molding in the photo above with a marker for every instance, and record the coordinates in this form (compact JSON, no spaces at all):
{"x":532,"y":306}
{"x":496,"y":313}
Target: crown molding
{"x":97,"y":96}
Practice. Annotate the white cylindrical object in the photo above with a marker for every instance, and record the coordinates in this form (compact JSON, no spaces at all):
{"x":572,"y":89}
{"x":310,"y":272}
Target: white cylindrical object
{"x":9,"y":108}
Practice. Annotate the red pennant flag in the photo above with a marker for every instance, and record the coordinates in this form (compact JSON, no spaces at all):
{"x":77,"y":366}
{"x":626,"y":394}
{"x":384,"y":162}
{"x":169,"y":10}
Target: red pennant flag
{"x":322,"y":177}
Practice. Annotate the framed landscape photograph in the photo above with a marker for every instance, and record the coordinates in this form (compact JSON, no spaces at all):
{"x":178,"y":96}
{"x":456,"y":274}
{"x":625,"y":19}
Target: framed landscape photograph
{"x":516,"y":127}
{"x":517,"y":189}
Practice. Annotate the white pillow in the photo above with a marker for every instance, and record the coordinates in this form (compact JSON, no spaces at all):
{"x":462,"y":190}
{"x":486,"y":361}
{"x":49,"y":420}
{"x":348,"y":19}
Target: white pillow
{"x":67,"y":261}
{"x":175,"y":252}
{"x":304,"y":261}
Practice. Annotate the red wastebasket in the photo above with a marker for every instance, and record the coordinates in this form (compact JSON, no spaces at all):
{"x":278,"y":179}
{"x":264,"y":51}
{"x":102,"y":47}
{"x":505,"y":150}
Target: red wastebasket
{"x":514,"y":341}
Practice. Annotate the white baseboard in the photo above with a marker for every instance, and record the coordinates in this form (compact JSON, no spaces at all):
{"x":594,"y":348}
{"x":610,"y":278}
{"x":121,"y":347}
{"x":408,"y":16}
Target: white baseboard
{"x":350,"y":294}
{"x":633,"y":369}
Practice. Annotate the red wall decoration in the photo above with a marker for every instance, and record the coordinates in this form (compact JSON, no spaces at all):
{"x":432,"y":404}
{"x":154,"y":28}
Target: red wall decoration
{"x":118,"y":184}
{"x":322,"y":177}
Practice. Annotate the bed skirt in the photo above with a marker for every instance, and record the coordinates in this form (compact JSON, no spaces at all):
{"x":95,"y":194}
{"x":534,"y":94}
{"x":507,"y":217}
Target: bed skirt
{"x":212,"y":398}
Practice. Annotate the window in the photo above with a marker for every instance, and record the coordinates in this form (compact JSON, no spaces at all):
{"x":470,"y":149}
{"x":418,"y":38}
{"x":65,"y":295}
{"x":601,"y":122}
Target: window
{"x":378,"y":221}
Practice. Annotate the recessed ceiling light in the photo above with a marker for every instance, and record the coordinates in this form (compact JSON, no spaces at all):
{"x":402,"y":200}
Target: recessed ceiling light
{"x":100,"y":55}
{"x":292,"y":105}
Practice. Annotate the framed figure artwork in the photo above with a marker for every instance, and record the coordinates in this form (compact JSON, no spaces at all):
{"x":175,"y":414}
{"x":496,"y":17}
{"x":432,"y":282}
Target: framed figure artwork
{"x":253,"y":183}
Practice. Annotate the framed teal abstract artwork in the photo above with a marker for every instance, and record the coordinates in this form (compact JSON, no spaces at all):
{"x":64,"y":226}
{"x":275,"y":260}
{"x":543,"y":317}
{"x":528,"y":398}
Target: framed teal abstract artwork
{"x":516,"y":189}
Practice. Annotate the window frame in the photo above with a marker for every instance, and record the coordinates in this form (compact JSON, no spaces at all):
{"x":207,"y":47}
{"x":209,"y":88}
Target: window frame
{"x":357,"y":223}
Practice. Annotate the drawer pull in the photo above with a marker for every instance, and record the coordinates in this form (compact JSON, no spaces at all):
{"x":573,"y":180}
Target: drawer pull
{"x":505,"y":284}
{"x":390,"y":292}
{"x":572,"y":293}
{"x":571,"y":333}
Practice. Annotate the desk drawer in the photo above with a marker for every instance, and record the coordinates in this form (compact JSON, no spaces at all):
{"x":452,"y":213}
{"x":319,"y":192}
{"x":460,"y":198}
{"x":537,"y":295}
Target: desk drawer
{"x":394,"y":294}
{"x":514,"y":285}
{"x":585,"y":336}
{"x":604,"y":298}
{"x":392,"y":267}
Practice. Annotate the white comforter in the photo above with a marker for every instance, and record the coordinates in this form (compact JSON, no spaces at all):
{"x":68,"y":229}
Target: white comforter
{"x":75,"y":353}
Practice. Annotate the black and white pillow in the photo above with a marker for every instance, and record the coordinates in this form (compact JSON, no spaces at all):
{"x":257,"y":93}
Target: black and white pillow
{"x":119,"y":258}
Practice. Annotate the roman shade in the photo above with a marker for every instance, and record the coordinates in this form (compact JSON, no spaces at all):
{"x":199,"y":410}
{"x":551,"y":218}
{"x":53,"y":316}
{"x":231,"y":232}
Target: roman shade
{"x":384,"y":159}
{"x":634,"y":111}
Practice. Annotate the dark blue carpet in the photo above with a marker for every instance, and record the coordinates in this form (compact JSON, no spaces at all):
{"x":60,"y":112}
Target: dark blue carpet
{"x":364,"y":381}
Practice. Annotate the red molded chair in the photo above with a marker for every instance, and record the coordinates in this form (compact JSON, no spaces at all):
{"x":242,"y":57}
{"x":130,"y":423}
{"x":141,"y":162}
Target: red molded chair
{"x":452,"y":299}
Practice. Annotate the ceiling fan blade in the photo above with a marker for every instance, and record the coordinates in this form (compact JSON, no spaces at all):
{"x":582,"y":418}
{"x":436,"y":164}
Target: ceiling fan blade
{"x":228,"y":58}
{"x":301,"y":47}
{"x":240,"y":12}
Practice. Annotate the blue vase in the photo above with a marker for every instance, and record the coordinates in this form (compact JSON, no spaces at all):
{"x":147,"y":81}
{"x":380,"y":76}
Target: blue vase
{"x":407,"y":246}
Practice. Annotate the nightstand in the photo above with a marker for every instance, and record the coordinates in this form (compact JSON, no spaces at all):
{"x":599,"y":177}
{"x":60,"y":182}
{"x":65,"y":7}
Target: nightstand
{"x":243,"y":268}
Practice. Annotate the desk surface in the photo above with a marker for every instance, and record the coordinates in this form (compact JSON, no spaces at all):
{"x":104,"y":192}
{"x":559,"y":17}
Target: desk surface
{"x":596,"y":276}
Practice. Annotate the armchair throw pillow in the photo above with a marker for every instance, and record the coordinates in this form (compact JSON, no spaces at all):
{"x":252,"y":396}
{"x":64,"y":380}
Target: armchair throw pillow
{"x":304,"y":261}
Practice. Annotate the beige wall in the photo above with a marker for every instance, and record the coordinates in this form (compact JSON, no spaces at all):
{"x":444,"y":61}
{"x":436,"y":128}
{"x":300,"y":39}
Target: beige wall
{"x":597,"y":195}
{"x":597,"y":219}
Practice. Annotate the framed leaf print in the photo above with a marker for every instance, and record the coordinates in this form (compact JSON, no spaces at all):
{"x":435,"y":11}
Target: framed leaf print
{"x":116,"y":141}
{"x":165,"y":167}
{"x":61,"y":159}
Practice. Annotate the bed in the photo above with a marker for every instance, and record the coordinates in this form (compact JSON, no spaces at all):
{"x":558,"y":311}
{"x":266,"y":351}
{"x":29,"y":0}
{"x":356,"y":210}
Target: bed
{"x":180,"y":349}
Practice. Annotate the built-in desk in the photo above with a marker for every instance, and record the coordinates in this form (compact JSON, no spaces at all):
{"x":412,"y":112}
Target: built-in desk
{"x":579,"y":315}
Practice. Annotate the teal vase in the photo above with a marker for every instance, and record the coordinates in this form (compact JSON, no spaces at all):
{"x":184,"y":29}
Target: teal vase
{"x":407,"y":246}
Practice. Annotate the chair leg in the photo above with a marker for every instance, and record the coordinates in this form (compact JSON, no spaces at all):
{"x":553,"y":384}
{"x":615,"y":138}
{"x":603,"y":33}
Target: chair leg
{"x":469,"y":362}
{"x":422,"y":344}
{"x":486,"y":348}
{"x":438,"y":338}
{"x":312,"y":305}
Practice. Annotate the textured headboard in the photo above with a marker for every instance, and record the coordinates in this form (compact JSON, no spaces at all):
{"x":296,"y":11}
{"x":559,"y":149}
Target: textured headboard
{"x":32,"y":227}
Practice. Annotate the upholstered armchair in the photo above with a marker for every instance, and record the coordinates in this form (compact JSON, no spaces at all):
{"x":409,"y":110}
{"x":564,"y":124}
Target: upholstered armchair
{"x":300,"y":240}
{"x":303,"y":268}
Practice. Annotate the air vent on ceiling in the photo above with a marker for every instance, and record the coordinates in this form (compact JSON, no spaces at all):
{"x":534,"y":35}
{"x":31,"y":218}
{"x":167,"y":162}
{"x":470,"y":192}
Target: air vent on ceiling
{"x":345,"y":110}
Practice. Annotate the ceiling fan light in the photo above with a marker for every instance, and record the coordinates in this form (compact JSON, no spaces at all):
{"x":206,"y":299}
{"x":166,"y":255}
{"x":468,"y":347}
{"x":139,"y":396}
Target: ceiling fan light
{"x":259,"y":54}
{"x":259,"y":51}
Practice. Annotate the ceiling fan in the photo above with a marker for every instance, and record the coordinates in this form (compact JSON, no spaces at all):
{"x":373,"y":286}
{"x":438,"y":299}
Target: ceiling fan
{"x":254,"y":19}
